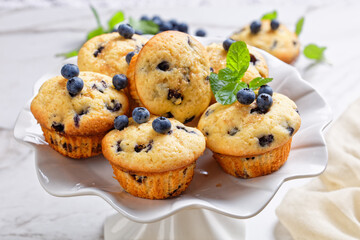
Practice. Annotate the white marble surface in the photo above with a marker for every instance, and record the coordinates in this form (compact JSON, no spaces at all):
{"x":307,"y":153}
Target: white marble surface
{"x":31,"y":36}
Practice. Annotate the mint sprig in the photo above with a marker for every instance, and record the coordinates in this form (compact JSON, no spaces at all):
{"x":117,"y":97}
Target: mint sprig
{"x":228,"y":81}
{"x":299,"y":26}
{"x":68,"y":54}
{"x":117,"y":18}
{"x":312,"y":51}
{"x":238,"y":58}
{"x":258,"y":82}
{"x":146,"y":27}
{"x":269,"y":16}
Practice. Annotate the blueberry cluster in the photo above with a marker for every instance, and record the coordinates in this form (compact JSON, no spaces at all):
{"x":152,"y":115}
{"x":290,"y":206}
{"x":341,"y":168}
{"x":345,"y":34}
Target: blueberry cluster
{"x":172,"y":25}
{"x":142,"y":115}
{"x":264,"y":100}
{"x":74,"y":84}
{"x":255,"y":26}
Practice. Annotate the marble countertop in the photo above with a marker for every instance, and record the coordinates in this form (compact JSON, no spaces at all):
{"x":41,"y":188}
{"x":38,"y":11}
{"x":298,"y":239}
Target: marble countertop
{"x":31,"y":36}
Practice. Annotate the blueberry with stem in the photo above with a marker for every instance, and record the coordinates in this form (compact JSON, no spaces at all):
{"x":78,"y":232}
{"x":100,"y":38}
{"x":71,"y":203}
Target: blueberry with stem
{"x":126,"y":31}
{"x":161,"y":125}
{"x":120,"y":81}
{"x":121,"y":122}
{"x":245,"y":96}
{"x":141,"y":115}
{"x":69,"y":71}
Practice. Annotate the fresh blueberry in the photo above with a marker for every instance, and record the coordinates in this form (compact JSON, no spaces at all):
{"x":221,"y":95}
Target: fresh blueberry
{"x":121,"y":122}
{"x":182,"y":27}
{"x":69,"y":71}
{"x":174,"y":24}
{"x":157,"y":20}
{"x":161,"y":125}
{"x":245,"y":96}
{"x":264,"y":102}
{"x":126,"y":31}
{"x":200,"y":33}
{"x":144,"y":18}
{"x":129,"y":57}
{"x":74,"y":86}
{"x":255,"y":26}
{"x":274,"y":24}
{"x":120,"y":81}
{"x":140,"y":115}
{"x":227,"y":43}
{"x":165,"y":26}
{"x":266,"y":89}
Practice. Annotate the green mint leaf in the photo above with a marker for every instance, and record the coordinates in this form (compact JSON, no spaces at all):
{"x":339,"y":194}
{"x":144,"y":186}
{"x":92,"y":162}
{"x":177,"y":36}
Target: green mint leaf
{"x":227,"y":74}
{"x":227,"y":94}
{"x":238,"y":58}
{"x":96,"y":15}
{"x":312,"y":51}
{"x":269,"y":16}
{"x":147,"y":27}
{"x":115,"y":19}
{"x":215,"y":83}
{"x":95,"y":32}
{"x":68,"y":54}
{"x":258,"y":82}
{"x":299,"y":26}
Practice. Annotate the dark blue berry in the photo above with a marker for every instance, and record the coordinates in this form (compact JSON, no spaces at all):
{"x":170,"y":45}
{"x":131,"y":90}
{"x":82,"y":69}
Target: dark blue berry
{"x":144,"y":18}
{"x":174,"y":24}
{"x":120,"y":81}
{"x":140,"y":115}
{"x":163,"y":66}
{"x":227,"y":43}
{"x":274,"y":24}
{"x":182,"y":27}
{"x":266,"y":140}
{"x":126,"y":31}
{"x":121,"y":122}
{"x":264,"y":102}
{"x":165,"y":26}
{"x":161,"y":125}
{"x":200,"y":33}
{"x":245,"y":96}
{"x":266,"y":89}
{"x":74,"y":86}
{"x":157,"y":20}
{"x":255,"y":26}
{"x":129,"y":57}
{"x":69,"y":71}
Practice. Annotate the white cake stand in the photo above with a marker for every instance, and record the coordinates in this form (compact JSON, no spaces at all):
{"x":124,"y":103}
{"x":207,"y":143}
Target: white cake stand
{"x":187,"y":217}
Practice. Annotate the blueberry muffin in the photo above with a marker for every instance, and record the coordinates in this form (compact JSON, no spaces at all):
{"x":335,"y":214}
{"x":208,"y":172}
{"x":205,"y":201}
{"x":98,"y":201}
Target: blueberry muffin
{"x":75,"y":125}
{"x":152,"y":165}
{"x":106,"y":53}
{"x":171,"y":76}
{"x":278,"y":40}
{"x":257,"y":67}
{"x":247,"y":142}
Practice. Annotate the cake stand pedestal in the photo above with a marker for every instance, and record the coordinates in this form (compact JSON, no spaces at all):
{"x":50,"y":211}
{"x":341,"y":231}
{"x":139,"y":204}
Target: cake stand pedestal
{"x":186,"y":224}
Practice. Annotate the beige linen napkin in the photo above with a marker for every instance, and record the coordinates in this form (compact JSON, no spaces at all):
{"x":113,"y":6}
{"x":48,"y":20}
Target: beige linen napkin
{"x":329,"y":206}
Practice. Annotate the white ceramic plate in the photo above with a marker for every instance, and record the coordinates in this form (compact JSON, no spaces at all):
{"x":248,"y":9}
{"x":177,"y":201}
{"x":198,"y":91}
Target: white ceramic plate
{"x":211,"y":188}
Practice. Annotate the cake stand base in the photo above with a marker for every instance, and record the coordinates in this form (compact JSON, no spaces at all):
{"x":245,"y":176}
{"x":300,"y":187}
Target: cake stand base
{"x":186,"y":224}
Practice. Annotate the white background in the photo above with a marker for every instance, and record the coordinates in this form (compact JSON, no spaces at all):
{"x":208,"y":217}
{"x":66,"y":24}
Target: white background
{"x":32,"y":32}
